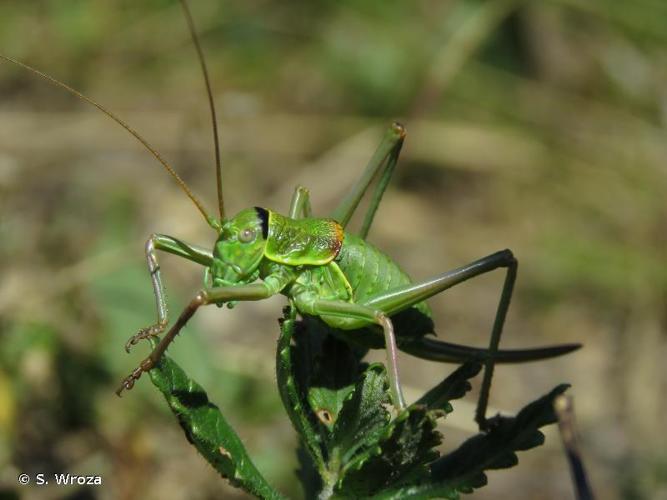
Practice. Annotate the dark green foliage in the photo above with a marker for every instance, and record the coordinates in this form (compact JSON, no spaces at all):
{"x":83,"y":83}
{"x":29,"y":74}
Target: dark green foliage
{"x":400,"y":456}
{"x":362,"y":417}
{"x":207,"y":429}
{"x":453,"y":387}
{"x":463,"y":469}
{"x":495,"y":449}
{"x":352,"y":443}
{"x":357,"y":447}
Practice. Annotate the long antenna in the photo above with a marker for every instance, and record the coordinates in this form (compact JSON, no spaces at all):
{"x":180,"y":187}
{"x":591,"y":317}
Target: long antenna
{"x":211,"y":105}
{"x":136,"y":135}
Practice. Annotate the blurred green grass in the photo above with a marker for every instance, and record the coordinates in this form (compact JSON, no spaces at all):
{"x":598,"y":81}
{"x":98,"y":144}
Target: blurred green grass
{"x":538,"y":126}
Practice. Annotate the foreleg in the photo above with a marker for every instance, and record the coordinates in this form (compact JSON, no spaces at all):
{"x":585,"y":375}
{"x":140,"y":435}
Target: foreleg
{"x":177,"y":247}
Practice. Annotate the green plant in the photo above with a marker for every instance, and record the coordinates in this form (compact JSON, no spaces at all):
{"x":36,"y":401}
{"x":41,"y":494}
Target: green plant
{"x":351,"y":445}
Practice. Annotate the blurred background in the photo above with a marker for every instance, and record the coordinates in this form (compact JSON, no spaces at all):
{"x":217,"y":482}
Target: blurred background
{"x":538,"y":126}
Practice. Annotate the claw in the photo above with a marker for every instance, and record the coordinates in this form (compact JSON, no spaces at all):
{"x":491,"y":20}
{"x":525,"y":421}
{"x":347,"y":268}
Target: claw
{"x":144,"y":333}
{"x":129,"y":381}
{"x":127,"y":384}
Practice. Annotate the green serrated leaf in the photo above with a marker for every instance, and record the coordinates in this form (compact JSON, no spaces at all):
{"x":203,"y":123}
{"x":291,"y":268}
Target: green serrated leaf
{"x":363,"y":417}
{"x":463,"y":469}
{"x":206,"y":428}
{"x":401,"y":456}
{"x":335,"y":370}
{"x":455,"y":386}
{"x":292,"y":392}
{"x":496,"y":448}
{"x":323,"y":368}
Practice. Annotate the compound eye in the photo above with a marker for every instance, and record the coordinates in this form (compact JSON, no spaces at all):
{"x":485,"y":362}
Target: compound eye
{"x":247,"y":235}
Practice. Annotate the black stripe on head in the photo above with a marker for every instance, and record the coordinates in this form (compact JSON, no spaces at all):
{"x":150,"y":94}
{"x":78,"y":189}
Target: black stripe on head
{"x":263,"y":215}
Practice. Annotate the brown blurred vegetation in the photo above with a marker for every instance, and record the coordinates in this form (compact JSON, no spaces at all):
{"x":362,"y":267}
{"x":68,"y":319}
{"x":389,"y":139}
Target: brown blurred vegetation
{"x":538,"y":126}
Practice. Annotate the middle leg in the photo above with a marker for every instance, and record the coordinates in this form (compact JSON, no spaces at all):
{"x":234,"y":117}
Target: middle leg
{"x":349,"y":311}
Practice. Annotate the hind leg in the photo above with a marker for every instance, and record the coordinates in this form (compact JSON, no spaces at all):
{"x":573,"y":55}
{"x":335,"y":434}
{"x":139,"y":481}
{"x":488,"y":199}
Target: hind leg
{"x":300,"y":205}
{"x":397,"y":300}
{"x":384,"y":159}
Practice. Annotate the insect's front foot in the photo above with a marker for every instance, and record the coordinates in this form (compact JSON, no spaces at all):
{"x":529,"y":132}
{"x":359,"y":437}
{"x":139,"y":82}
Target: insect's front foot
{"x":129,"y":381}
{"x":145,"y":333}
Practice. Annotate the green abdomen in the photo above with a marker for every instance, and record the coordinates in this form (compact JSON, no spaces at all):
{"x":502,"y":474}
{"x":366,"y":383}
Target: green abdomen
{"x":369,"y":271}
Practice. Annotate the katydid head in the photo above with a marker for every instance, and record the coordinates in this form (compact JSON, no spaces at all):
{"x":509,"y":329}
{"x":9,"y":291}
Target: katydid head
{"x":240,"y":248}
